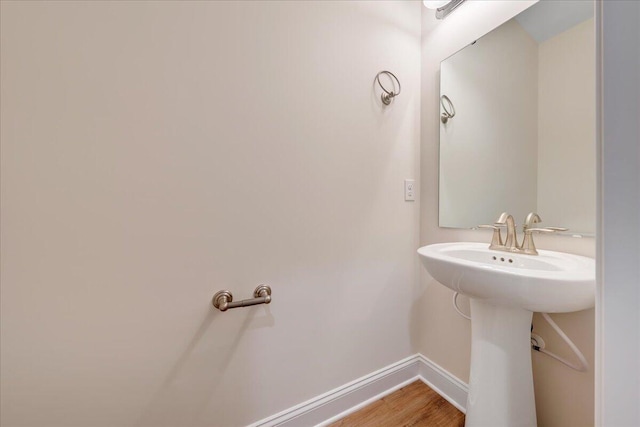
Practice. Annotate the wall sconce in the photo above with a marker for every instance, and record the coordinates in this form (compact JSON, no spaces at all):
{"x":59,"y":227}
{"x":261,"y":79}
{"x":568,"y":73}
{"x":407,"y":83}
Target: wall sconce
{"x":443,"y":7}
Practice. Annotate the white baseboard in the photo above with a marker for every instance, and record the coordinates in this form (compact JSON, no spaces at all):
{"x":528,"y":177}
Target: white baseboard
{"x":340,"y":402}
{"x":447,"y":385}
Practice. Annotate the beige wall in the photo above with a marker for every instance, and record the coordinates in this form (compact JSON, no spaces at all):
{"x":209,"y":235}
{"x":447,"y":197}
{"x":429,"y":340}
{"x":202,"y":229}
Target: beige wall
{"x":566,"y":119}
{"x":155,"y":153}
{"x":564,"y":397}
{"x":486,"y":150}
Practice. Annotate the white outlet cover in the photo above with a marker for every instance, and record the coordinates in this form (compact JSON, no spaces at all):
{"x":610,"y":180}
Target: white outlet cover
{"x":409,"y":189}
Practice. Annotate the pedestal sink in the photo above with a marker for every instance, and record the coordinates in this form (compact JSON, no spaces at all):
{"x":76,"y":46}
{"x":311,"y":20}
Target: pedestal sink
{"x":505,"y":289}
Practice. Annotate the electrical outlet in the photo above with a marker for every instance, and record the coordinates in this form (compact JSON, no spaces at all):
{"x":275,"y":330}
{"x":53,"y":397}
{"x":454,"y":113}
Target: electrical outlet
{"x":409,"y":190}
{"x":537,"y":341}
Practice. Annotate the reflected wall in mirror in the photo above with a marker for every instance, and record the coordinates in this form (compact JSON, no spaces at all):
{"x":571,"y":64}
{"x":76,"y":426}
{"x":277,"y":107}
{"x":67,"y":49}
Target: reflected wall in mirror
{"x":523,"y":135}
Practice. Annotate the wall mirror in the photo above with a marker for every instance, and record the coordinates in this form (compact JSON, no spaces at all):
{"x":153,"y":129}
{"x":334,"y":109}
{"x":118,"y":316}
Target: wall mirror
{"x":517,"y":125}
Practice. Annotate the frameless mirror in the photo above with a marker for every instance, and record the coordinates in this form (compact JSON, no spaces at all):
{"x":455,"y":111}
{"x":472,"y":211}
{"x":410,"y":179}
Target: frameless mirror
{"x":517,"y":126}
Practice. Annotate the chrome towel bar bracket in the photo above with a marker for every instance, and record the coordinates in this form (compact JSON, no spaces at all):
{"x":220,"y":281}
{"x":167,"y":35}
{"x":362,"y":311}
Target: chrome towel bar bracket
{"x":223,"y":300}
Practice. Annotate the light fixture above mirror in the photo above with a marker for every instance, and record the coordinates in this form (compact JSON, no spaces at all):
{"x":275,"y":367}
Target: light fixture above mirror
{"x":443,"y":7}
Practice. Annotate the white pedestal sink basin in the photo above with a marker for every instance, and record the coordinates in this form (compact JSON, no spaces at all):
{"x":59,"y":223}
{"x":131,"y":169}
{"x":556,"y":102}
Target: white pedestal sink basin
{"x":505,"y":289}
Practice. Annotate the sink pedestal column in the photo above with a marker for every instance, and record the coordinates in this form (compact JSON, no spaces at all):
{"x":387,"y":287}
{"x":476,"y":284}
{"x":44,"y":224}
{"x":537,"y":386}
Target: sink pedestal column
{"x":501,"y":379}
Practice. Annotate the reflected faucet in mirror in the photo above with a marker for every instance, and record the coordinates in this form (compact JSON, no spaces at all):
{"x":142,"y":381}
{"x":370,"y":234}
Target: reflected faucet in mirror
{"x":528,"y":246}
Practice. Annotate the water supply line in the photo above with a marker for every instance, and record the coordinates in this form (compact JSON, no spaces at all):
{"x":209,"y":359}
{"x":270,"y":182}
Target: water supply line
{"x":581,"y":367}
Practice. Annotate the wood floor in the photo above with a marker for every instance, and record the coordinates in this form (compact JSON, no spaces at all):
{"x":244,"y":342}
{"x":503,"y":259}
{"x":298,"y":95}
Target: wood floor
{"x":415,"y":405}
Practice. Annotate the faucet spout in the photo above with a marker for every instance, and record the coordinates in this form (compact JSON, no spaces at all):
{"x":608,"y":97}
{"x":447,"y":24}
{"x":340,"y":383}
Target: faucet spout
{"x":532,"y":218}
{"x":511,"y":242}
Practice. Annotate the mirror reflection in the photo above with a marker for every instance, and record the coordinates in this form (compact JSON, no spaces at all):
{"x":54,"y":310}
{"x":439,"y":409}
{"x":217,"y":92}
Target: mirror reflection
{"x":517,"y":129}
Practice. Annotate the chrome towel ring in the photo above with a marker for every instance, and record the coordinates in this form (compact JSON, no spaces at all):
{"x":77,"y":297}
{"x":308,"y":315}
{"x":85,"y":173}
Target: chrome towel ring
{"x":450,"y":112}
{"x":388,"y":95}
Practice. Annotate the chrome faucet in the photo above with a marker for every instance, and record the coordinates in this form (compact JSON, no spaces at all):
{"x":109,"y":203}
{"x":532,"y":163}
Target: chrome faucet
{"x":527,"y":247}
{"x":506,"y":220}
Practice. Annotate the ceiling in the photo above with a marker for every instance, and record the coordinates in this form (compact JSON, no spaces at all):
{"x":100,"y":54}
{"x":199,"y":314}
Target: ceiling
{"x":548,"y":18}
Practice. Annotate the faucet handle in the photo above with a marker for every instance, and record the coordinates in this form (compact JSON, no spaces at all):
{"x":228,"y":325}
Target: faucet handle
{"x":496,"y":239}
{"x":528,"y":246}
{"x":557,"y":228}
{"x":494,"y":226}
{"x":545,"y":230}
{"x":539,"y":230}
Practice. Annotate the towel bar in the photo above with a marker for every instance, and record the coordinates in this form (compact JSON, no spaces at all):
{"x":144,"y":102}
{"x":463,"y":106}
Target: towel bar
{"x":223,"y":300}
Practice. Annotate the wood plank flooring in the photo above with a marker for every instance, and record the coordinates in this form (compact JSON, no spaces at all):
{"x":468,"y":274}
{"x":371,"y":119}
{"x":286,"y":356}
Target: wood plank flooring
{"x":415,"y":405}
